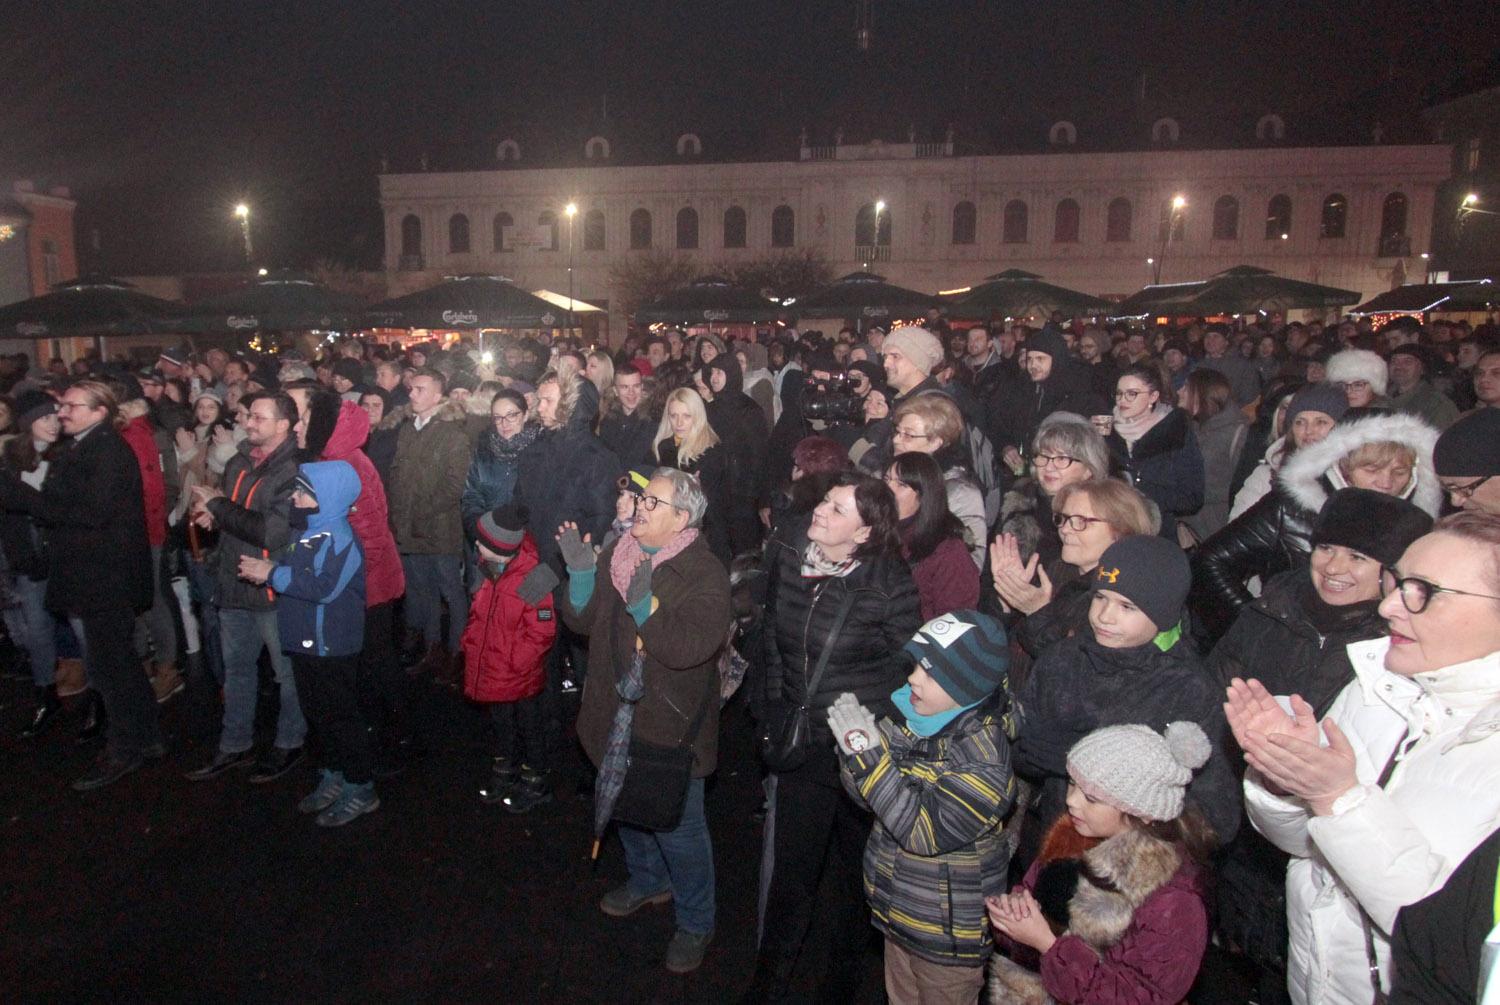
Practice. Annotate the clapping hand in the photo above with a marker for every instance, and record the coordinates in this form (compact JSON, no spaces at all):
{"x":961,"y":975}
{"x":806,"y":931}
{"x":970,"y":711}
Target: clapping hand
{"x":1013,"y":578}
{"x":255,"y":570}
{"x":1020,"y":917}
{"x":578,"y":553}
{"x":639,"y":587}
{"x":853,"y":725}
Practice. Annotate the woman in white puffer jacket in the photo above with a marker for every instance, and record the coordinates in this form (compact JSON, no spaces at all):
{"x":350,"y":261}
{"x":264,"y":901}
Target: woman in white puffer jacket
{"x":1406,"y":779}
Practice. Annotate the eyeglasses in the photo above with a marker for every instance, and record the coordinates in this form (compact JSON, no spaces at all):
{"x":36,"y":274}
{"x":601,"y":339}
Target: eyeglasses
{"x":907,"y":435}
{"x":1416,"y":593}
{"x":1130,"y":394}
{"x":1075,"y":521}
{"x":1353,"y":385}
{"x":1463,"y":493}
{"x":649,"y":504}
{"x":508,"y":416}
{"x":1061,"y":462}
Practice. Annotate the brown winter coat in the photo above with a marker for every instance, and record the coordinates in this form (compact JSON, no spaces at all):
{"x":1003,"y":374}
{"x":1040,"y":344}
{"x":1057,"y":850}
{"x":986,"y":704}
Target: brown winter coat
{"x":426,"y":482}
{"x":682,"y":641}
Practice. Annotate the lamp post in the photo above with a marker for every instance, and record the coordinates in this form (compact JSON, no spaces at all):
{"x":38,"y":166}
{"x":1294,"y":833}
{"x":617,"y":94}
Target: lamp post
{"x":243,"y":212}
{"x":571,"y":209}
{"x":1178,"y":203}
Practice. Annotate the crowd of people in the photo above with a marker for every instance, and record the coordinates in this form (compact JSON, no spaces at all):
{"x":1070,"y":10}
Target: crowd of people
{"x":1087,"y":663}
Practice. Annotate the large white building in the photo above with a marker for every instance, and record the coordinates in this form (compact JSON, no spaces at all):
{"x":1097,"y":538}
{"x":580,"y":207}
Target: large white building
{"x":1357,"y":217}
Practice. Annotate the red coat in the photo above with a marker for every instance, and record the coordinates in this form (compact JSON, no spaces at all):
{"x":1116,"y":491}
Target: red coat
{"x":506,"y":641}
{"x":142,"y":440}
{"x":384,"y":578}
{"x":947,"y":580}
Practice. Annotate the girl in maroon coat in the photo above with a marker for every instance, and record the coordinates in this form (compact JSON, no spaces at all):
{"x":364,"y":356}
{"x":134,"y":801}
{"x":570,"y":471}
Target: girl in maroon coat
{"x":932,"y":538}
{"x":511,"y":627}
{"x":1112,"y":910}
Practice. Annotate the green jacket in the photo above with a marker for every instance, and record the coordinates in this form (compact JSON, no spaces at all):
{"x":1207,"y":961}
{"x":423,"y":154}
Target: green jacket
{"x":426,"y":483}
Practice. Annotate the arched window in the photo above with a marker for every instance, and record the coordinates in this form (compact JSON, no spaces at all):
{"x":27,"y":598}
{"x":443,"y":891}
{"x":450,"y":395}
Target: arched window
{"x":458,"y":234}
{"x":411,"y":235}
{"x":688,"y":145}
{"x":866,"y":233}
{"x":1335,"y":216}
{"x":965,"y":223}
{"x":1062,"y":134}
{"x":1226,"y":218}
{"x":640,"y":230}
{"x":1165,"y":130}
{"x":734,"y":227}
{"x":1279,"y":218}
{"x":1013,"y":231}
{"x":503,"y":223}
{"x":687,"y":227}
{"x":1270,"y":128}
{"x":597,"y":148}
{"x":547,"y":229}
{"x":1065,"y":222}
{"x":783,"y":227}
{"x":508,"y":150}
{"x":593,"y":230}
{"x":1117,"y":219}
{"x":1393,"y":240}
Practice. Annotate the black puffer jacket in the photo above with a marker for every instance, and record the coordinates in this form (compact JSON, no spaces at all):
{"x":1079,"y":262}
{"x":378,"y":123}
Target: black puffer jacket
{"x":568,"y":474}
{"x":1165,"y":465}
{"x":867,"y":658}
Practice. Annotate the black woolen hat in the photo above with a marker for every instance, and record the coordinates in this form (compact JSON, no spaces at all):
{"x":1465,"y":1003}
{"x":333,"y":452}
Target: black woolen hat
{"x":503,"y":529}
{"x":1470,"y":448}
{"x":1151,"y":572}
{"x":349,"y":369}
{"x":33,"y":405}
{"x":1371,"y":523}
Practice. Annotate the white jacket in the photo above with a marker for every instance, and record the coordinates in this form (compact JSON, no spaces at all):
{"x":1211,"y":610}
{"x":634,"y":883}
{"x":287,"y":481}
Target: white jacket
{"x":1384,"y":849}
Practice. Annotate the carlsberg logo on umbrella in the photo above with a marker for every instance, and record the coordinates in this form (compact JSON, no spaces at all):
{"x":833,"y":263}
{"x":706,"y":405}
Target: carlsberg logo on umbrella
{"x":30,"y":330}
{"x":715,"y":315}
{"x":460,"y":317}
{"x":235,"y":321}
{"x":875,"y":312}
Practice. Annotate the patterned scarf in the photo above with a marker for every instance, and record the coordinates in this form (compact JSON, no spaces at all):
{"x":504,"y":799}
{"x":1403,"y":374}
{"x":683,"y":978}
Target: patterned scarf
{"x":816,"y":565}
{"x":509,"y":450}
{"x":629,"y":551}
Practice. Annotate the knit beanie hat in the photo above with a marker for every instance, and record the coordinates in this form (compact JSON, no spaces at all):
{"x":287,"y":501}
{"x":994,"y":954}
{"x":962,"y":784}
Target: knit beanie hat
{"x":1137,"y":770}
{"x":917,"y":344}
{"x":1371,"y":523}
{"x":965,"y":652}
{"x":635,"y":480}
{"x":349,"y":369}
{"x":1323,"y":398}
{"x":1151,"y":572}
{"x":1470,"y":448}
{"x":501,"y":530}
{"x":1357,"y":364}
{"x":33,"y":405}
{"x":210,"y":393}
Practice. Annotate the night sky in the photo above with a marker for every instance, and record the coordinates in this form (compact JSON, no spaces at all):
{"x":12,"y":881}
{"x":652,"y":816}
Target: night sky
{"x":160,"y":116}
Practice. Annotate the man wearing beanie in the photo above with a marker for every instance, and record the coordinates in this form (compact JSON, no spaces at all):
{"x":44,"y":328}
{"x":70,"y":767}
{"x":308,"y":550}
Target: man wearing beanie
{"x":1413,"y":393}
{"x":1467,"y":459}
{"x":1132,"y":666}
{"x":940,"y":786}
{"x":910,"y":355}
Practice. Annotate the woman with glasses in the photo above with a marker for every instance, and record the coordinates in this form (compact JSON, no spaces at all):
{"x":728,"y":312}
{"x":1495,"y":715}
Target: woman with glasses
{"x":1153,"y":446}
{"x":686,"y":441}
{"x":930,"y":423}
{"x":932,"y":538}
{"x":1067,"y":450}
{"x":497,"y":460}
{"x":1379,"y":802}
{"x":1362,"y":376}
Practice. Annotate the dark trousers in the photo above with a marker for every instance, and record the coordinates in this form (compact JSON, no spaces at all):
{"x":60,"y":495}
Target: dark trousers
{"x":382,"y":685}
{"x":329,"y":690}
{"x":520,"y":732}
{"x":114,"y":671}
{"x":817,"y":835}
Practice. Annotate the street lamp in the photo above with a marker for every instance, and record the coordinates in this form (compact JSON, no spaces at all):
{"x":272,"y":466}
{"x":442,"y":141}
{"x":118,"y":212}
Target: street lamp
{"x":571,"y":209}
{"x":243,"y":212}
{"x":1179,"y":202}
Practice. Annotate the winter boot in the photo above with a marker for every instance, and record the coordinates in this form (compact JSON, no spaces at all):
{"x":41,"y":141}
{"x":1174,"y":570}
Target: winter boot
{"x":47,"y":707}
{"x":94,"y":722}
{"x":504,"y":777}
{"x":532,"y":790}
{"x":166,"y":682}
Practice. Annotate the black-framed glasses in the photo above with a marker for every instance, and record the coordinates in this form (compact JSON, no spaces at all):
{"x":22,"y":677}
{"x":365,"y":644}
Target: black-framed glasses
{"x":1075,"y":522}
{"x":1463,"y":493}
{"x":1061,"y":462}
{"x":508,"y":416}
{"x":650,"y":502}
{"x":1129,"y":393}
{"x":1417,"y":593}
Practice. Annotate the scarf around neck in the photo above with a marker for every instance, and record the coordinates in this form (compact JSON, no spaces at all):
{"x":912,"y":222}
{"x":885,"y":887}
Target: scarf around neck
{"x":1131,"y":430}
{"x":925,"y":725}
{"x":628,"y":555}
{"x":816,"y":565}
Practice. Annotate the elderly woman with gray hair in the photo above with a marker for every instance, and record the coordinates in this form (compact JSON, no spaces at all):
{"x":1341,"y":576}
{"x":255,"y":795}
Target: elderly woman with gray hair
{"x":658,"y":590}
{"x":1067,"y":449}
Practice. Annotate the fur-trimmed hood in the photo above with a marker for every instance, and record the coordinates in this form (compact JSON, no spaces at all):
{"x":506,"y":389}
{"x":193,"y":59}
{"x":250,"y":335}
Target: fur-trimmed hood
{"x":1311,"y":475}
{"x":448,"y":411}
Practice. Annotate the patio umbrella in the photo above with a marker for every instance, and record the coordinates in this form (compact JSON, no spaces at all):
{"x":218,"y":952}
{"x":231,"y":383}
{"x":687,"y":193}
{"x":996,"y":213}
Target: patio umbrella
{"x":1419,"y":298}
{"x":284,"y":301}
{"x":473,"y":301}
{"x":1243,"y":289}
{"x":712,"y":300}
{"x":1017,"y":294}
{"x":89,"y":305}
{"x":863,"y":295}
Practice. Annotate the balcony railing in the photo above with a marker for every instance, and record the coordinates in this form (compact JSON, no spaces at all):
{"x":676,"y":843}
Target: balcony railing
{"x":872,"y":252}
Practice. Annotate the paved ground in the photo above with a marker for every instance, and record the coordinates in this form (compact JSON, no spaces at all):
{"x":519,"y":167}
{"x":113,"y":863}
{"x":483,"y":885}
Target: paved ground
{"x":157,"y":888}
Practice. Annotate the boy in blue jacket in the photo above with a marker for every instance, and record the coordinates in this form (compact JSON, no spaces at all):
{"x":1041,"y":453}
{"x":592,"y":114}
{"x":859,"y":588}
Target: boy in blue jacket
{"x":320,"y":615}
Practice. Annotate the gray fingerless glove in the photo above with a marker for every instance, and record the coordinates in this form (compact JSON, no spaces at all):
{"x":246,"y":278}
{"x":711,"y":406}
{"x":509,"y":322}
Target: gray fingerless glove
{"x":577,"y":553}
{"x":639,"y":587}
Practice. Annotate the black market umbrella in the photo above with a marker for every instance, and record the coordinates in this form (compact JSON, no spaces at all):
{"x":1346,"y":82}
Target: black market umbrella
{"x":1243,"y":289}
{"x":474,"y":301}
{"x":1419,"y":298}
{"x":284,"y":301}
{"x":863,"y":295}
{"x":1018,"y":294}
{"x":710,"y":300}
{"x":89,"y":305}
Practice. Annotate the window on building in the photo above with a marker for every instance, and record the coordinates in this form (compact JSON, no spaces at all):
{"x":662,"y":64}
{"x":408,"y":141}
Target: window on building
{"x":508,"y":150}
{"x":783,"y":227}
{"x":640,"y":230}
{"x":458,"y":234}
{"x":51,"y":262}
{"x":548,"y":231}
{"x":593,"y":230}
{"x":1062,"y":134}
{"x":1393,"y":240}
{"x":1165,"y":131}
{"x":865,"y":232}
{"x":597,"y":148}
{"x":1270,"y":128}
{"x":1013,"y":229}
{"x":688,"y":145}
{"x":687,"y":227}
{"x":503,"y":224}
{"x":1279,"y":217}
{"x":965,"y":223}
{"x":411,"y":235}
{"x":1335,"y":216}
{"x":1065,"y":222}
{"x":1117,"y":219}
{"x":734,"y":227}
{"x":1226,"y":218}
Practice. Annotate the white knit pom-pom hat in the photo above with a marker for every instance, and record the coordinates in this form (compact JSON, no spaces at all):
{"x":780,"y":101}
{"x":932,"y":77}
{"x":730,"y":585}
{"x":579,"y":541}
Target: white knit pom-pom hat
{"x":1137,"y":770}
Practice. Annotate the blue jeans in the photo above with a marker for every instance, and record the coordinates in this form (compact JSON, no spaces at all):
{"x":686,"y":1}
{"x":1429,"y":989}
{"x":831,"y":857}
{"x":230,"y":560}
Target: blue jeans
{"x":680,"y":860}
{"x":33,"y":626}
{"x":431,"y":581}
{"x":243,"y":633}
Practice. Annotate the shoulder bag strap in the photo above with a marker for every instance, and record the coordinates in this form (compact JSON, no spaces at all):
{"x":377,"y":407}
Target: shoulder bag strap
{"x":833,"y":634}
{"x":1364,"y":917}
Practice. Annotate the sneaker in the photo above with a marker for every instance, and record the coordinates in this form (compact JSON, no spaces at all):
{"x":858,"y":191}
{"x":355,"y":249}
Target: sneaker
{"x":167,"y":683}
{"x":353,"y":802}
{"x":107,"y":770}
{"x":330,"y":786}
{"x":221,"y":763}
{"x":530,"y":791}
{"x":569,"y":686}
{"x":622,"y":901}
{"x":274,"y":763}
{"x":685,"y":951}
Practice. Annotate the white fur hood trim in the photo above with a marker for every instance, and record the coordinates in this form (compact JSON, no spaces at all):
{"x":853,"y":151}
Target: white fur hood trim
{"x":1301,"y":474}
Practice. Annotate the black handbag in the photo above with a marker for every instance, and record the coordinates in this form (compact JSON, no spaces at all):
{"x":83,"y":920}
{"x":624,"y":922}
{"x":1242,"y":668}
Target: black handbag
{"x":786,"y":730}
{"x":657,"y":777}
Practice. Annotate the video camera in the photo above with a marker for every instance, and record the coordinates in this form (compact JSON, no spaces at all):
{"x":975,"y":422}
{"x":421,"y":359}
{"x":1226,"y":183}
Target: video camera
{"x":832,"y":398}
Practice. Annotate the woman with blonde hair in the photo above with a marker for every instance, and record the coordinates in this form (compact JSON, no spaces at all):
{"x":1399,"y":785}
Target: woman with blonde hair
{"x":930,"y":423}
{"x":686,"y":441}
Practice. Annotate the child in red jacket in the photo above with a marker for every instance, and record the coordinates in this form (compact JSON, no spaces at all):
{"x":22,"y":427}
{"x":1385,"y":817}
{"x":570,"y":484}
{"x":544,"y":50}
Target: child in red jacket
{"x":511,"y":627}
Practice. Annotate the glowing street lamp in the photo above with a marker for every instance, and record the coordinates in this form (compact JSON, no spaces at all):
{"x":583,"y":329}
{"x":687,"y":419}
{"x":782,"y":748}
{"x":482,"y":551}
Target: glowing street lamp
{"x":243,"y":212}
{"x":570,"y":210}
{"x":1179,"y":203}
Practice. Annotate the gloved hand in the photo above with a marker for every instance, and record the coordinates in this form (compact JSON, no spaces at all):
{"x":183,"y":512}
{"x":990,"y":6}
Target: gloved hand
{"x":853,"y":725}
{"x":577,"y":552}
{"x":639,"y":587}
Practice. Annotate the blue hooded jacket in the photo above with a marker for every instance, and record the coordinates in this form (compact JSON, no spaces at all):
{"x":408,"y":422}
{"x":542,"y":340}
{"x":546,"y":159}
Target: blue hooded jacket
{"x":320,"y":579}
